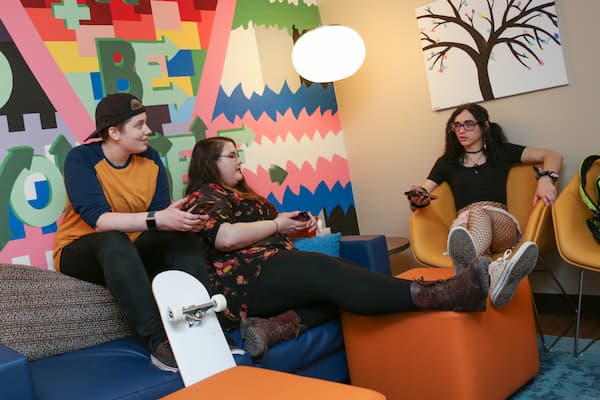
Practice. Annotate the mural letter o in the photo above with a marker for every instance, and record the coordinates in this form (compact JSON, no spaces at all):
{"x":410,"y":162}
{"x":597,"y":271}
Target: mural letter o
{"x":57,"y":198}
{"x":6,"y":80}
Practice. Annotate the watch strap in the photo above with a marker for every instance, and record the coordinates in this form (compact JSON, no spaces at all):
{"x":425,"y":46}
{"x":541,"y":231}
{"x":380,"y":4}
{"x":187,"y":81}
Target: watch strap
{"x":151,"y":220}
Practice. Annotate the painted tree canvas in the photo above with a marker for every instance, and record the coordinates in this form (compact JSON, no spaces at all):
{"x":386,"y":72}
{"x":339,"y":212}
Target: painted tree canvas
{"x":477,"y":50}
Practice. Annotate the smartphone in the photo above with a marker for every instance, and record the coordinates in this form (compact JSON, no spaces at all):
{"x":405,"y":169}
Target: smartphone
{"x":414,"y":193}
{"x":196,"y":205}
{"x":302,"y":216}
{"x":202,"y":207}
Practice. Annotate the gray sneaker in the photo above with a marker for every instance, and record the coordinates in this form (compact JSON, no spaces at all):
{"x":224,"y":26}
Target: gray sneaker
{"x":506,"y":274}
{"x":162,"y":357}
{"x":461,"y":248}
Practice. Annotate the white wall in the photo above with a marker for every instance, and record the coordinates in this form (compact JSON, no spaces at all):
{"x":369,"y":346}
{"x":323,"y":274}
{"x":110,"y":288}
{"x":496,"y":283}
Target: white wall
{"x":393,"y":136}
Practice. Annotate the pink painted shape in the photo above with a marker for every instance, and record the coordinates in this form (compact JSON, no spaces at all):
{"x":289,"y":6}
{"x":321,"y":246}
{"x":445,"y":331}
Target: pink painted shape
{"x":330,"y":172}
{"x":208,"y":89}
{"x":86,"y":38}
{"x":23,"y":247}
{"x":166,"y":16}
{"x":283,"y":125}
{"x":48,"y":74}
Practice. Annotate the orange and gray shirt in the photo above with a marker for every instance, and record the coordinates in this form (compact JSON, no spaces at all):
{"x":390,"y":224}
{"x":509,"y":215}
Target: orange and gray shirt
{"x":95,"y":186}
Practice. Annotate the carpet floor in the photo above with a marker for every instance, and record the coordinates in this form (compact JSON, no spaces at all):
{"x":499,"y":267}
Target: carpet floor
{"x":563,"y":376}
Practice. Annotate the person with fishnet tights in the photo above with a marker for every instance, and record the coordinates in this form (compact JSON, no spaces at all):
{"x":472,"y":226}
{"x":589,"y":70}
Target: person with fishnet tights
{"x":475,"y":164}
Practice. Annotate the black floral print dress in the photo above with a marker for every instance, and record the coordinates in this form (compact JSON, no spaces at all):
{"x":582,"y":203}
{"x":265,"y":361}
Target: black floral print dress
{"x":232,"y":273}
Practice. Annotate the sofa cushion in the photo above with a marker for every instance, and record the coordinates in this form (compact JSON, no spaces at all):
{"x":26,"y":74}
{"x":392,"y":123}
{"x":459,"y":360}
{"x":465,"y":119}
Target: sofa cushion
{"x":61,"y":313}
{"x":120,"y":369}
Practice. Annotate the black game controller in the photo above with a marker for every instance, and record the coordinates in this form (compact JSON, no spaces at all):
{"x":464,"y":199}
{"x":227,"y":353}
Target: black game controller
{"x":196,"y":205}
{"x":302,"y":216}
{"x":415,"y":193}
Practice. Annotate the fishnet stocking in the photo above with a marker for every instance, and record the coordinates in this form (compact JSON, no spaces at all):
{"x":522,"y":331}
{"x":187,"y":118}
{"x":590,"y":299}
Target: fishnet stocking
{"x":492,"y":231}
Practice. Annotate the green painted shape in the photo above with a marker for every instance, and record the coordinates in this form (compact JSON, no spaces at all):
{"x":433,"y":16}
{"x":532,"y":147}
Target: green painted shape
{"x":198,"y":128}
{"x":56,"y":201}
{"x":59,"y":149}
{"x":162,"y":144}
{"x":82,"y":85}
{"x":243,"y":135}
{"x":177,"y":163}
{"x":198,"y":59}
{"x":6,"y":80}
{"x":282,"y":15}
{"x":71,"y":13}
{"x":17,"y":159}
{"x":130,"y":2}
{"x":277,"y":174}
{"x":111,"y":72}
{"x":148,"y":71}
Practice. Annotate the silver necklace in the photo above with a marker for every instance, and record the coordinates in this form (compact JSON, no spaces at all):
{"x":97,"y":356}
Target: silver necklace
{"x":475,"y":163}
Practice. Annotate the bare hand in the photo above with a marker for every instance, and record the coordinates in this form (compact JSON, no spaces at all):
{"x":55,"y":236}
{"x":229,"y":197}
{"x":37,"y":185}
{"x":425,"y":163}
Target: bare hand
{"x":288,"y":225}
{"x":173,"y":218}
{"x":416,"y":195}
{"x":546,"y":191}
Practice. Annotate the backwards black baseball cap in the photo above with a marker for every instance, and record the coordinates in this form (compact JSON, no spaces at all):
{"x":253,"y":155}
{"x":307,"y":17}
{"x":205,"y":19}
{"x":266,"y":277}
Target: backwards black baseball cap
{"x":114,"y":109}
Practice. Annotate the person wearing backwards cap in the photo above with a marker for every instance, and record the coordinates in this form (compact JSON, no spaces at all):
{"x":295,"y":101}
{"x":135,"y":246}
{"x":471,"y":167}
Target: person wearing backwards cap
{"x":120,"y":227}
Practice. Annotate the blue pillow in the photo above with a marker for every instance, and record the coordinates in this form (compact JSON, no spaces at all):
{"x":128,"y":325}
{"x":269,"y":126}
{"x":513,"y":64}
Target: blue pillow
{"x":326,"y":244}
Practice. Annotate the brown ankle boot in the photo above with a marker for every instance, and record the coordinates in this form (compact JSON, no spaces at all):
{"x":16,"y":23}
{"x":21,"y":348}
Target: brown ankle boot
{"x":261,"y":333}
{"x":466,"y":291}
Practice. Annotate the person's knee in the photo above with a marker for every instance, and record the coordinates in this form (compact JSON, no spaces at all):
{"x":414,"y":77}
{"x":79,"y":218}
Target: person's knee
{"x":114,"y":241}
{"x":117,"y":253}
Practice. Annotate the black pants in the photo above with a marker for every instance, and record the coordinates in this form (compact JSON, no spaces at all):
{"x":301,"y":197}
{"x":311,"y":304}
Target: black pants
{"x":318,"y":286}
{"x":127,"y":270}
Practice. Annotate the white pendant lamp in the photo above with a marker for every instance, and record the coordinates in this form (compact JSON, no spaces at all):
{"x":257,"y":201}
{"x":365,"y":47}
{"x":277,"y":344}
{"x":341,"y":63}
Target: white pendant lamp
{"x":328,"y":53}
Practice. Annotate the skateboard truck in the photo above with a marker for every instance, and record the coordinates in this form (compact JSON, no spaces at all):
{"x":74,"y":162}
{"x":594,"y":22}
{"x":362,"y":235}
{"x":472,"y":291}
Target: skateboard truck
{"x":193,"y":314}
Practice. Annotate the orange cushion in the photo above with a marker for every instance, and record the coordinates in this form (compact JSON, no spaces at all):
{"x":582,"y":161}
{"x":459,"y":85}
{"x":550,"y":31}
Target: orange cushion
{"x":250,"y":383}
{"x":444,"y":354}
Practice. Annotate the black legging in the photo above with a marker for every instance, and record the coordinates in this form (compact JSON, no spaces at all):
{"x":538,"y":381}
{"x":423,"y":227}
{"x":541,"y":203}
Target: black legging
{"x":317,"y":286}
{"x":127,"y":269}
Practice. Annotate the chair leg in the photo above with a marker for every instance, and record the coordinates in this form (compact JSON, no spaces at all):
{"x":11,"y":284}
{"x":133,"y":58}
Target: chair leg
{"x":576,"y":350}
{"x":565,"y":296}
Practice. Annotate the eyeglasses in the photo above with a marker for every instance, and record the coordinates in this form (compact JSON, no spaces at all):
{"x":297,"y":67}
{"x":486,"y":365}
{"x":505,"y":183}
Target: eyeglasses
{"x":467,"y":125}
{"x":232,"y":156}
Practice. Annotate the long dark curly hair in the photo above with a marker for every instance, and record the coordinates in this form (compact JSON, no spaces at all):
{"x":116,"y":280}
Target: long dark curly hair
{"x":203,"y":169}
{"x":492,"y":134}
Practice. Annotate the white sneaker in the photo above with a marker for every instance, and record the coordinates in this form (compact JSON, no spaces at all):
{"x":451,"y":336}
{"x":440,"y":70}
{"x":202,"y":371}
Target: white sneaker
{"x":461,"y":248}
{"x":506,"y":274}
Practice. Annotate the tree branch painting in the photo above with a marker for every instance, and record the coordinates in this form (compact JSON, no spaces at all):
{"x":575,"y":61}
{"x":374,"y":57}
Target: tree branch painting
{"x":485,"y":49}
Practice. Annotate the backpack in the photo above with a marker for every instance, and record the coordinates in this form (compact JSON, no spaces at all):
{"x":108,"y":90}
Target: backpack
{"x":593,"y":223}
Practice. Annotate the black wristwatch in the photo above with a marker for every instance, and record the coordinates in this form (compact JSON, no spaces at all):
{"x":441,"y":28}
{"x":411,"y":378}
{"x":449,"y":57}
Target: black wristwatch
{"x":151,"y":221}
{"x":551,"y":174}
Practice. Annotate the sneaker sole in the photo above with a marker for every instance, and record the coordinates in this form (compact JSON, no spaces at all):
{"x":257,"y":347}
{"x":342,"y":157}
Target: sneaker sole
{"x":162,"y":366}
{"x":519,"y":266}
{"x":461,"y":248}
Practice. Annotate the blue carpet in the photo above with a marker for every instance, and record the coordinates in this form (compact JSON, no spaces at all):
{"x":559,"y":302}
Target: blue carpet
{"x":563,"y":376}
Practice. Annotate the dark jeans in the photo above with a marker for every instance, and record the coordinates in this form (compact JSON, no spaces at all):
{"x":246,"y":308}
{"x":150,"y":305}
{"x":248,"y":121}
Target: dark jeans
{"x":317,"y":286}
{"x":127,"y":270}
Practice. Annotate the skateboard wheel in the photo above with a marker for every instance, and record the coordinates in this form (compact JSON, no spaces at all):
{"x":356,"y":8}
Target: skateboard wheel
{"x":175,"y":313}
{"x":220,"y":302}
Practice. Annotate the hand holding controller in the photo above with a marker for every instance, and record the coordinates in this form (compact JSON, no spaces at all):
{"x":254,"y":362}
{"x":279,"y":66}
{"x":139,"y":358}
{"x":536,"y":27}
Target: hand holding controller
{"x":196,"y":205}
{"x":302,"y":216}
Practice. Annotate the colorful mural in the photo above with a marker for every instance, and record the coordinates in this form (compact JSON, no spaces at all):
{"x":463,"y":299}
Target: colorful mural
{"x":201,"y":67}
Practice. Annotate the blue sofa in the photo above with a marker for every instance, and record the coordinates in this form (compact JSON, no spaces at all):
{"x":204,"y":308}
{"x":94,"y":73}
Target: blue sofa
{"x":120,"y":369}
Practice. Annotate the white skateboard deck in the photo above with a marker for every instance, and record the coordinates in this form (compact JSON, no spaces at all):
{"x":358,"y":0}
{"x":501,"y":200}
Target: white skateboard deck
{"x":200,"y":348}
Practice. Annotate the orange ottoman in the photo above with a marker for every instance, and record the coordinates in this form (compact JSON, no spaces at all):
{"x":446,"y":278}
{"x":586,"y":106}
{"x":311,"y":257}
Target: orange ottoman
{"x":250,"y":383}
{"x":444,"y":354}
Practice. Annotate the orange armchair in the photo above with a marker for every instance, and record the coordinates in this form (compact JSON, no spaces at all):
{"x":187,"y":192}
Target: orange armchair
{"x":429,"y":226}
{"x":574,"y":241}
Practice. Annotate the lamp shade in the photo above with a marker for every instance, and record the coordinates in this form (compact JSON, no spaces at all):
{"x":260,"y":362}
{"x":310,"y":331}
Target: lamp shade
{"x":328,"y":53}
